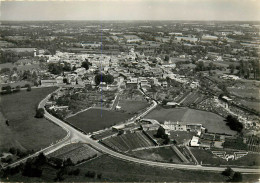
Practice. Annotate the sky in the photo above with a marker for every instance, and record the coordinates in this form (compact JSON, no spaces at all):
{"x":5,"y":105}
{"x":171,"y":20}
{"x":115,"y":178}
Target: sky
{"x":238,"y":10}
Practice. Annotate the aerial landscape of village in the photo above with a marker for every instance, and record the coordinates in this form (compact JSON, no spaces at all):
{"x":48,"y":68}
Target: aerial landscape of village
{"x":129,"y":101}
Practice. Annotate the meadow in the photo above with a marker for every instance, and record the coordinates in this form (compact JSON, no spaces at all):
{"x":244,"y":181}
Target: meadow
{"x":25,"y":131}
{"x":97,"y":119}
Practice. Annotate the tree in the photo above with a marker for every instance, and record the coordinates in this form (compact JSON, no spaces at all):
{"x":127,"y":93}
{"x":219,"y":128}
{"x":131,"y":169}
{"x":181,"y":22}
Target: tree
{"x":228,"y":172}
{"x":66,"y":67}
{"x":200,"y":66}
{"x":31,"y":170}
{"x":39,"y":113}
{"x":59,"y":176}
{"x":164,"y":102}
{"x":29,"y":88}
{"x":90,"y":174}
{"x":18,"y":88}
{"x":234,"y":124}
{"x":160,"y":132}
{"x":232,"y":68}
{"x":65,"y":80}
{"x":99,"y":78}
{"x":40,"y":159}
{"x":5,"y":71}
{"x":7,"y":89}
{"x":237,"y":177}
{"x":99,"y":176}
{"x":55,"y":68}
{"x":166,"y":58}
{"x":34,"y":75}
{"x":68,"y":162}
{"x":86,"y":64}
{"x":167,"y":139}
{"x":76,"y":172}
{"x":109,"y":79}
{"x":7,"y":122}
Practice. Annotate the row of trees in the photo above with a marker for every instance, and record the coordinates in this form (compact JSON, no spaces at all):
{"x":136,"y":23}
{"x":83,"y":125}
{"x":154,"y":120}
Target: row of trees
{"x":57,"y":69}
{"x":8,"y":89}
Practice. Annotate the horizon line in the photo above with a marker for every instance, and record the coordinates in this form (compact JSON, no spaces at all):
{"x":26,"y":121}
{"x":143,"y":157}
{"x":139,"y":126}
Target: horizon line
{"x":130,"y":20}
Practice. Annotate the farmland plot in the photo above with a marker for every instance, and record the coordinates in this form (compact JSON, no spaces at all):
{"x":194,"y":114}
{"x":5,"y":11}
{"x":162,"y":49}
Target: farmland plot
{"x":76,"y":152}
{"x":128,"y":142}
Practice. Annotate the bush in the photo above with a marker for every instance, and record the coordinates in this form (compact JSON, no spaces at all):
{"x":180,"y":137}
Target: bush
{"x":227,"y":172}
{"x":99,"y":176}
{"x":39,"y":113}
{"x":29,"y":88}
{"x":76,"y":172}
{"x":90,"y":174}
{"x":31,"y":170}
{"x":13,"y":150}
{"x":237,"y":177}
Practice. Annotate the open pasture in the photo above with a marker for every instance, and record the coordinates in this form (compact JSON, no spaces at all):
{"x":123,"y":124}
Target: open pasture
{"x":25,"y":131}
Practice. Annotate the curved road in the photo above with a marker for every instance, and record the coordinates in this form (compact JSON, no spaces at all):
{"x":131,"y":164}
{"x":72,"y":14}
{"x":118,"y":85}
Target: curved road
{"x":74,"y":134}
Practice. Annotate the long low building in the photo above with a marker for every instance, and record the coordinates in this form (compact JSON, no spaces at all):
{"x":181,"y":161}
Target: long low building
{"x":183,"y":126}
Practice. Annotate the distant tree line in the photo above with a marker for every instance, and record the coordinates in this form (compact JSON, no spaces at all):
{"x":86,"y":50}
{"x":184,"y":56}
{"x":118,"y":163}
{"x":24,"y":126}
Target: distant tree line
{"x":12,"y":57}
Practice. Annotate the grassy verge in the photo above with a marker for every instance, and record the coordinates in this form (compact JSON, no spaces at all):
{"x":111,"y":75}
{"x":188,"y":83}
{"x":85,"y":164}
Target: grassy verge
{"x":112,"y":169}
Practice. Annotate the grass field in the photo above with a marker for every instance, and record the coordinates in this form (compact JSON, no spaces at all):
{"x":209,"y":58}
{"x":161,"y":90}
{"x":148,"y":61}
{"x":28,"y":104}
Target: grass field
{"x":129,"y":141}
{"x":132,"y":106}
{"x":208,"y":158}
{"x":25,"y":131}
{"x":116,"y":170}
{"x":248,"y":92}
{"x":97,"y":119}
{"x":213,"y":122}
{"x":165,"y":154}
{"x":251,"y":104}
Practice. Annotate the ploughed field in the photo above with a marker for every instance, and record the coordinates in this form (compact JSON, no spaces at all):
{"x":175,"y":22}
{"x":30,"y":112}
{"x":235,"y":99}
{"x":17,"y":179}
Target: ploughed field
{"x":97,"y":119}
{"x":76,"y":152}
{"x":162,"y":154}
{"x":189,"y":98}
{"x":213,"y":122}
{"x":25,"y":131}
{"x":129,"y":141}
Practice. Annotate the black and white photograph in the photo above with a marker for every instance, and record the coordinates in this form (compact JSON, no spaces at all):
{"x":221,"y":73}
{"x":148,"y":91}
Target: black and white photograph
{"x":130,"y":91}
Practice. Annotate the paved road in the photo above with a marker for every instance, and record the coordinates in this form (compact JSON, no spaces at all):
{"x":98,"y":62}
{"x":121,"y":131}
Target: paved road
{"x":74,"y":134}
